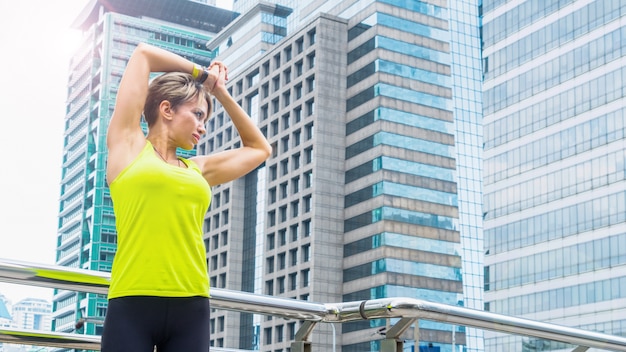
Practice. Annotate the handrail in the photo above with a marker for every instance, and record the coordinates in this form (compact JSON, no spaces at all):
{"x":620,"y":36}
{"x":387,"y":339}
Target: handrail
{"x":50,"y":339}
{"x":64,"y":340}
{"x":53,"y":276}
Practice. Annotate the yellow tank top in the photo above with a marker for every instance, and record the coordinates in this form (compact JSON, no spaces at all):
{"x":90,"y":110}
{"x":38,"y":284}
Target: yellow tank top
{"x":159,"y":211}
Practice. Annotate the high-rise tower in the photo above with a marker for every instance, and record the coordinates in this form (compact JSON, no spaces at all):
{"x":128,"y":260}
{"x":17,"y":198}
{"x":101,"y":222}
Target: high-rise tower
{"x":555,"y":199}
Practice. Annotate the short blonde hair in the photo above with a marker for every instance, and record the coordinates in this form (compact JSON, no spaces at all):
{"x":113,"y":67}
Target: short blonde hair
{"x":177,"y":88}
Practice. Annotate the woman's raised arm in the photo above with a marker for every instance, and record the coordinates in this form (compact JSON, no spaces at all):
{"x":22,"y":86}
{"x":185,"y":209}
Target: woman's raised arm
{"x":125,"y":138}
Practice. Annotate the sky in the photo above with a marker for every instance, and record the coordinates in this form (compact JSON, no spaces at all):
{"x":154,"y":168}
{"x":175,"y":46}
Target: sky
{"x":38,"y":42}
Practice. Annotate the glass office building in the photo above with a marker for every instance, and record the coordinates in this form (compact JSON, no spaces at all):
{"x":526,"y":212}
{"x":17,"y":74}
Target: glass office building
{"x":465,"y":48}
{"x":86,"y":227}
{"x":374,"y":186}
{"x":554,"y":178}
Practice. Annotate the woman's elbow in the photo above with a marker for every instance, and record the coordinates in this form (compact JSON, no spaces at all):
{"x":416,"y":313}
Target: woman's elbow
{"x":267,"y":150}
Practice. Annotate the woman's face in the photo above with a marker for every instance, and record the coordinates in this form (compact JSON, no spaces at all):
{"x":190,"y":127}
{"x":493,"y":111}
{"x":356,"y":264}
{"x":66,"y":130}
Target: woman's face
{"x":189,"y":121}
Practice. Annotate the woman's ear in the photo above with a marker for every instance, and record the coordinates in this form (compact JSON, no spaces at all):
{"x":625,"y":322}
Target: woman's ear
{"x":165,"y":108}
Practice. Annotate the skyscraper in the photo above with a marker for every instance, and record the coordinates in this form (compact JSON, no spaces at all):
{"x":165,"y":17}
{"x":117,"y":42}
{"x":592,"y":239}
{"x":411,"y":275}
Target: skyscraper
{"x":555,"y":199}
{"x":368,"y":193}
{"x":112,"y":29}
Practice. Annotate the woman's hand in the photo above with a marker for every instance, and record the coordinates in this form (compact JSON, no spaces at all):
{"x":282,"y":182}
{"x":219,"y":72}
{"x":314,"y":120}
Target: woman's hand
{"x":218,"y":75}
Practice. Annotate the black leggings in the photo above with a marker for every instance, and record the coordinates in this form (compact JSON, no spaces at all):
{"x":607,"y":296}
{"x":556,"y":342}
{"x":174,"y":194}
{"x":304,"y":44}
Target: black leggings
{"x":137,"y":324}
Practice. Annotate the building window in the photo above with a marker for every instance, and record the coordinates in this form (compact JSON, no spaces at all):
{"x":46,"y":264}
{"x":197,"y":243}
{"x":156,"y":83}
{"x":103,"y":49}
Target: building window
{"x":277,"y":61}
{"x":287,"y":52}
{"x":275,"y":105}
{"x":310,"y":84}
{"x":293,"y":281}
{"x":214,"y":262}
{"x":295,"y":232}
{"x":308,"y":155}
{"x":220,"y":324}
{"x":291,"y":330}
{"x":253,"y":78}
{"x":269,"y":287}
{"x":287,"y":76}
{"x":239,"y":87}
{"x":225,"y":217}
{"x":271,"y":218}
{"x":295,"y":185}
{"x":276,"y":83}
{"x":296,"y":138}
{"x":304,"y":274}
{"x":284,"y":167}
{"x":295,"y":208}
{"x":293,"y":257}
{"x":298,"y":90}
{"x":279,"y":334}
{"x":312,"y":36}
{"x":267,"y":332}
{"x":273,"y":173}
{"x":300,"y":45}
{"x":281,"y":261}
{"x":216,"y":220}
{"x":297,"y":113}
{"x":272,"y":195}
{"x":266,"y":68}
{"x":306,"y":253}
{"x":265,"y":90}
{"x":280,"y":282}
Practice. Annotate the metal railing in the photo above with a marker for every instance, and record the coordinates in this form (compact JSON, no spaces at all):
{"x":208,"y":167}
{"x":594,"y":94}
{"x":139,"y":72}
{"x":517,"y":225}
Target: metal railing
{"x":407,"y":310}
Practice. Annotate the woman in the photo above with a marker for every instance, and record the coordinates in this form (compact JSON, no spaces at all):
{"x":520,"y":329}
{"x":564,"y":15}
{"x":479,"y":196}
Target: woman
{"x":159,"y":292}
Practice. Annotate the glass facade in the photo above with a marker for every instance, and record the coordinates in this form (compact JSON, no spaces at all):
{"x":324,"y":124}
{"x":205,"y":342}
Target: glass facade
{"x":422,"y":124}
{"x":554,"y":199}
{"x":467,"y":89}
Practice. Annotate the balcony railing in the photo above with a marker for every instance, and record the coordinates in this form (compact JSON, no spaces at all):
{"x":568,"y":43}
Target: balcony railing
{"x":406,"y":310}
